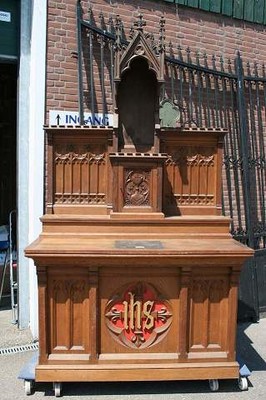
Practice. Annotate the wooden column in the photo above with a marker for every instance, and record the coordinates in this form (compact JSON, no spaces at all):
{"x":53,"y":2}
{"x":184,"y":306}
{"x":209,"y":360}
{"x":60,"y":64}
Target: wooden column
{"x":184,"y":312}
{"x":232,"y":311}
{"x":94,"y":314}
{"x":43,"y":307}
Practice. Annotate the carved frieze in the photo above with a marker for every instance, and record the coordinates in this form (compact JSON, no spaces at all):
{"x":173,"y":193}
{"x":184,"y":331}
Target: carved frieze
{"x":189,"y":156}
{"x":199,"y":159}
{"x":70,"y":288}
{"x":194,"y":199}
{"x":80,"y":198}
{"x":177,"y":157}
{"x":72,"y":157}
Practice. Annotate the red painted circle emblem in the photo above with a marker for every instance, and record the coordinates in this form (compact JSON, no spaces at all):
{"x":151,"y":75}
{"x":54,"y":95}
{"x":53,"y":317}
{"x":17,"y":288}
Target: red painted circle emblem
{"x":138,"y":316}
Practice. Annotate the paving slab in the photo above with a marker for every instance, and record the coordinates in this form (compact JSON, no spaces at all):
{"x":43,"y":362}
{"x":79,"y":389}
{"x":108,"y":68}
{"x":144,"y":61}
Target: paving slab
{"x":10,"y":335}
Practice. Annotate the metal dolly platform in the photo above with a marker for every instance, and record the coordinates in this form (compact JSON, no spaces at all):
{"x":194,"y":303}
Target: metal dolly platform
{"x":27,"y":373}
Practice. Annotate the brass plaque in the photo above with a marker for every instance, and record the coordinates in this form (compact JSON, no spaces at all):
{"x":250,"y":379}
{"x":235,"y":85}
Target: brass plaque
{"x":138,"y":244}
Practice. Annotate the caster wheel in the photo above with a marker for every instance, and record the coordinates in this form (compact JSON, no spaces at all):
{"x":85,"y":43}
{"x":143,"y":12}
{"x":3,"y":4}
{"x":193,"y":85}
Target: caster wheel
{"x":28,"y":387}
{"x":214,"y":384}
{"x":57,"y":389}
{"x":243,"y":383}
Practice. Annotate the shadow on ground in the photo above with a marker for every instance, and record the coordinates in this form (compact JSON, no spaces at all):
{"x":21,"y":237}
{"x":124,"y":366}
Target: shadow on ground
{"x":247,"y":351}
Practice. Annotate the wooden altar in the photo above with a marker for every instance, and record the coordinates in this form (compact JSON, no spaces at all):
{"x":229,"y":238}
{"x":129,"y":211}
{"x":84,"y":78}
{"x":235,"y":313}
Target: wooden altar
{"x":137,"y":271}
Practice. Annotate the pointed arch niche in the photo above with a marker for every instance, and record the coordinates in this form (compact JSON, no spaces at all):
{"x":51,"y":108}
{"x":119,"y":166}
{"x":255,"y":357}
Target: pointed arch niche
{"x":137,"y":164}
{"x":139,"y":73}
{"x":138,"y":102}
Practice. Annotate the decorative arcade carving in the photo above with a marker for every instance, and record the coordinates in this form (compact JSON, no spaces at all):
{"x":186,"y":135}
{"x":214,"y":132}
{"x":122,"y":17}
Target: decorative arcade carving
{"x":74,"y":176}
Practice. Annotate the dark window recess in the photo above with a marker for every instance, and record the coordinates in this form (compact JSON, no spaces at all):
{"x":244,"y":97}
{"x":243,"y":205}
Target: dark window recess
{"x":8,"y":99}
{"x":9,"y":28}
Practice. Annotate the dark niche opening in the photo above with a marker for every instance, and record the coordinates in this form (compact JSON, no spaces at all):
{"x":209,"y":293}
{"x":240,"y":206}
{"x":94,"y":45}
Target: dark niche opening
{"x":137,"y":104}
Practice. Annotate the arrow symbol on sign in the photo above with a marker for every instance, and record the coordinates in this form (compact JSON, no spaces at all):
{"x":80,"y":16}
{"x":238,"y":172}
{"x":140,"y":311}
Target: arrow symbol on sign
{"x":58,"y":119}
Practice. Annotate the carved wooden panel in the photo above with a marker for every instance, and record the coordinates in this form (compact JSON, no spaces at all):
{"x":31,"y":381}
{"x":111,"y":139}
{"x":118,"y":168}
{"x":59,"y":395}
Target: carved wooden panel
{"x":208,"y":314}
{"x":68,"y":314}
{"x":190,"y":177}
{"x":77,"y":170}
{"x":80,"y":175}
{"x":137,"y":187}
{"x":139,"y":313}
{"x":137,"y":316}
{"x":137,"y":182}
{"x":193,"y":171}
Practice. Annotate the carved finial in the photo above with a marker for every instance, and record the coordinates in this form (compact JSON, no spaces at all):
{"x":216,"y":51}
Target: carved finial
{"x":140,"y":23}
{"x":118,"y":23}
{"x":100,"y":38}
{"x":229,"y":63}
{"x":213,"y":62}
{"x":110,"y":25}
{"x":205,"y":58}
{"x":131,"y":31}
{"x":248,"y":68}
{"x":162,"y":23}
{"x":118,"y":33}
{"x":90,"y":14}
{"x":256,"y":70}
{"x":179,"y":52}
{"x":101,"y":18}
{"x":222,"y":63}
{"x":162,"y":34}
{"x":188,"y":51}
{"x":171,"y":49}
{"x":197,"y":57}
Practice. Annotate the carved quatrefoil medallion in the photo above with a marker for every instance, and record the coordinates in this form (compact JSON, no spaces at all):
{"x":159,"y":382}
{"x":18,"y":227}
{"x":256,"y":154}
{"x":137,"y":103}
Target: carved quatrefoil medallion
{"x":137,"y":190}
{"x":137,"y":316}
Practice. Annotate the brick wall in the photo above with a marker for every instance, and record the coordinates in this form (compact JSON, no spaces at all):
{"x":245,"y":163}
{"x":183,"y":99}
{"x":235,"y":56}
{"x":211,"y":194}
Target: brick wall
{"x":61,"y":61}
{"x":203,"y":32}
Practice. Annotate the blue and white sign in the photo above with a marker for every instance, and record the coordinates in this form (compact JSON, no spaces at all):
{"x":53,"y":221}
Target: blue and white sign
{"x":58,"y":117}
{"x":5,"y":16}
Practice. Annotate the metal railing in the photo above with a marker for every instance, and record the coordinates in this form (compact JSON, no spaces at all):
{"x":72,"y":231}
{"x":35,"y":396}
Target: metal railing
{"x":210,"y":93}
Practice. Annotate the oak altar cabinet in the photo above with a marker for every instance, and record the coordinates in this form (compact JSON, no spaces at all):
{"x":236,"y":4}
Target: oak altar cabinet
{"x":137,"y":271}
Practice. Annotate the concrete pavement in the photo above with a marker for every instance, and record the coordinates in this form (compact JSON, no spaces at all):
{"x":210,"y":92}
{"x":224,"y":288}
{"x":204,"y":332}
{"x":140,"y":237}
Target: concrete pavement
{"x":251,"y":345}
{"x":10,"y":335}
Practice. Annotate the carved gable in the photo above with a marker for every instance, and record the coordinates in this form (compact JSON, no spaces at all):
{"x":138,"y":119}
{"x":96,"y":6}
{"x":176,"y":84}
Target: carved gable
{"x":139,"y":47}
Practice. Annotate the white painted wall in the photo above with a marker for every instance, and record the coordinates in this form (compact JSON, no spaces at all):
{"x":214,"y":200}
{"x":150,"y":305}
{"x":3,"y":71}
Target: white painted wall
{"x":31,"y":111}
{"x":23,"y":162}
